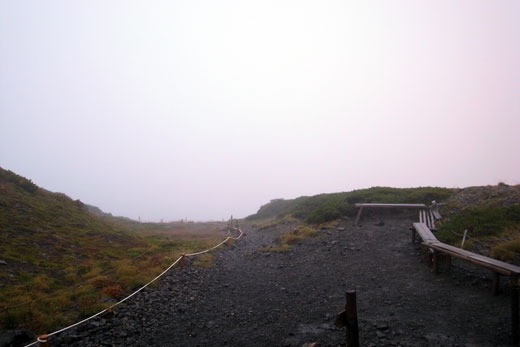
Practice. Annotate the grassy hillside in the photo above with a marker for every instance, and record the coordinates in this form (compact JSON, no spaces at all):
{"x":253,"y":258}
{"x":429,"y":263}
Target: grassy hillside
{"x":327,"y":207}
{"x":58,"y":261}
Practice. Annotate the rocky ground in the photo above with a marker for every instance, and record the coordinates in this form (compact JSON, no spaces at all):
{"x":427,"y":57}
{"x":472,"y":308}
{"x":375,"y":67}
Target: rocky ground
{"x":255,"y":298}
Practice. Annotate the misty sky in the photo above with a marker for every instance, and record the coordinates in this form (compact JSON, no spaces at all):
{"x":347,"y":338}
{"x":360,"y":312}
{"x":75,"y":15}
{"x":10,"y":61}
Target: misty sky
{"x":203,"y":109}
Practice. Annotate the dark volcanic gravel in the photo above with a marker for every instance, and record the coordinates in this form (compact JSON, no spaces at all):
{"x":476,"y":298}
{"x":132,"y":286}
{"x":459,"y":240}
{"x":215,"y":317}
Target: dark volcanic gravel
{"x":254,"y":298}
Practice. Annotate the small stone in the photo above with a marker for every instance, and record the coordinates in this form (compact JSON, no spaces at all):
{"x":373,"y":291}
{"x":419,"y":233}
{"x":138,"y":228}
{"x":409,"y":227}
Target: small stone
{"x":382,"y":327}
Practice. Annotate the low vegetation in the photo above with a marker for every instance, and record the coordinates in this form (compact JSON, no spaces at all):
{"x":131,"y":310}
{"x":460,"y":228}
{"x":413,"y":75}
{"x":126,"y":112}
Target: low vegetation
{"x":60,"y":262}
{"x":289,"y":238}
{"x":327,"y":207}
{"x":496,"y":227}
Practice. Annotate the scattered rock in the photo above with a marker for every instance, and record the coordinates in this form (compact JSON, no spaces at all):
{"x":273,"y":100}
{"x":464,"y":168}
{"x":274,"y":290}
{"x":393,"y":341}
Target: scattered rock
{"x":16,"y":338}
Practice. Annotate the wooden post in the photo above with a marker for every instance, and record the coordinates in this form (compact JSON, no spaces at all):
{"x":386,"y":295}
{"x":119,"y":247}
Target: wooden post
{"x":43,"y":340}
{"x":358,"y":215}
{"x":352,"y":321}
{"x":448,"y":261}
{"x":436,"y":262}
{"x":496,"y":283}
{"x":515,"y":318}
{"x":183,"y":259}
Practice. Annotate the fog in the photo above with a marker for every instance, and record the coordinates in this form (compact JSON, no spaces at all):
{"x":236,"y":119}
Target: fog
{"x":203,"y":109}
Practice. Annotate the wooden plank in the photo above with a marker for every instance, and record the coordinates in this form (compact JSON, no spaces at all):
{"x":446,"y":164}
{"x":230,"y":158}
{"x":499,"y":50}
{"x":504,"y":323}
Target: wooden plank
{"x":391,"y":205}
{"x":431,"y":222}
{"x":477,"y":259}
{"x":425,"y":233}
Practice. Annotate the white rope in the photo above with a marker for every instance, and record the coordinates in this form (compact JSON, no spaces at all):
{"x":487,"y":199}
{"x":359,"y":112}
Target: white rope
{"x":137,"y":291}
{"x":207,"y":250}
{"x":220,"y":244}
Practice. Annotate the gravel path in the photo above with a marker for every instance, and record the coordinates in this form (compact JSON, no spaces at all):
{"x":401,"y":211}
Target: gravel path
{"x":254,"y":298}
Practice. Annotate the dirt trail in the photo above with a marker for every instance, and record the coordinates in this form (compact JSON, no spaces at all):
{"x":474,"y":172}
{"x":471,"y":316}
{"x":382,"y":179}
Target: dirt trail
{"x":253,"y":298}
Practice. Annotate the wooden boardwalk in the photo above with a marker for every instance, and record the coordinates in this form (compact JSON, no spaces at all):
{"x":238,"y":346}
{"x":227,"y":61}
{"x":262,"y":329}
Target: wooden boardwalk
{"x":428,"y":215}
{"x":498,"y":267}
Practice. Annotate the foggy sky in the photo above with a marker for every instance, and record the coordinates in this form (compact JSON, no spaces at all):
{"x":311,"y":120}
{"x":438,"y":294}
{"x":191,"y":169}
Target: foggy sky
{"x":203,"y":109}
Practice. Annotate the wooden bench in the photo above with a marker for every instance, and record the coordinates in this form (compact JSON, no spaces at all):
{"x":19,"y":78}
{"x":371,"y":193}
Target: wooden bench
{"x":498,"y":267}
{"x":430,"y":215}
{"x":371,"y":205}
{"x":430,"y":241}
{"x":424,"y":232}
{"x":426,"y":217}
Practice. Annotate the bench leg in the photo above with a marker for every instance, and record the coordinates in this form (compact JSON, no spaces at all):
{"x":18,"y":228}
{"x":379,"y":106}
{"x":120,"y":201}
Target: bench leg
{"x":358,"y":216}
{"x":436,"y":262}
{"x":496,"y":283}
{"x":413,"y":235}
{"x":430,"y":258}
{"x":448,"y":261}
{"x":515,"y":318}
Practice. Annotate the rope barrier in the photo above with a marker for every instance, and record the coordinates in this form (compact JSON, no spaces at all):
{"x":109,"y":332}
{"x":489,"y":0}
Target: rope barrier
{"x":140,"y":289}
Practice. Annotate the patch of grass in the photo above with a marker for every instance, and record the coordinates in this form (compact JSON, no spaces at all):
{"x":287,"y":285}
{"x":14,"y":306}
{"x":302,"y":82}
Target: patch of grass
{"x":288,"y":239}
{"x":485,"y":223}
{"x":507,"y":250}
{"x":271,"y":223}
{"x":275,"y":249}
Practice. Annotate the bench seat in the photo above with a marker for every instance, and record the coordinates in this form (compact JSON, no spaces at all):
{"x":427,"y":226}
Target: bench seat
{"x":496,"y":265}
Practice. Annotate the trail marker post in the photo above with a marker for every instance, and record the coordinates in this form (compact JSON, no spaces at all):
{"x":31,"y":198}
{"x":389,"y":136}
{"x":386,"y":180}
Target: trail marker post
{"x":348,"y":319}
{"x":183,"y":259}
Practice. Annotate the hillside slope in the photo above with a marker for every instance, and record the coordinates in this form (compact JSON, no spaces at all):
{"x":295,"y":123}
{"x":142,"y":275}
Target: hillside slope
{"x":41,"y":230}
{"x":61,"y":259}
{"x":58,"y":261}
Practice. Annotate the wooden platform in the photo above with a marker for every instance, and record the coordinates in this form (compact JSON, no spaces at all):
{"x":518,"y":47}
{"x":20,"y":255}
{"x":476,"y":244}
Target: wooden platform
{"x":501,"y":267}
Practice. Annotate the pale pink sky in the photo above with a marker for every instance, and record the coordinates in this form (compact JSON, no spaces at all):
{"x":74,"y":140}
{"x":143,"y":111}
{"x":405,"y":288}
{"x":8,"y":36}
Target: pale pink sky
{"x":202,"y":109}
